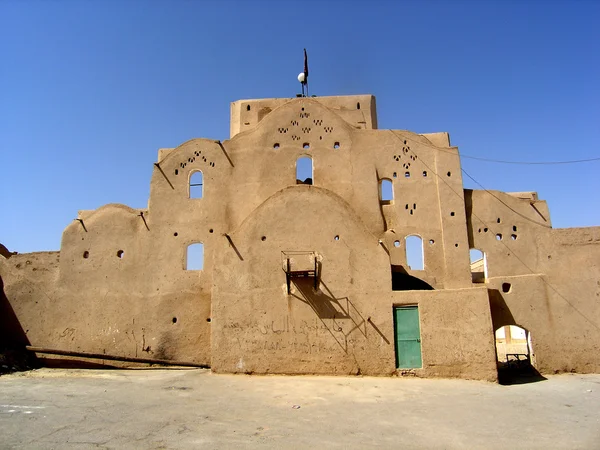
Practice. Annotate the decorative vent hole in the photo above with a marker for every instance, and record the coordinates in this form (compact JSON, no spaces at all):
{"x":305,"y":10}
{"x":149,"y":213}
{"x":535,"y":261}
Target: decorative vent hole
{"x":396,"y":244}
{"x":120,"y":254}
{"x":424,"y":173}
{"x":498,"y":237}
{"x":513,"y":237}
{"x":336,"y":145}
{"x":506,"y":287}
{"x":306,"y":146}
{"x":276,"y":145}
{"x":86,"y":254}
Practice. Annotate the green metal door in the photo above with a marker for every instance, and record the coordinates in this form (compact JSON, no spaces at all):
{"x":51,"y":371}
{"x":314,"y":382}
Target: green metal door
{"x":408,"y":337}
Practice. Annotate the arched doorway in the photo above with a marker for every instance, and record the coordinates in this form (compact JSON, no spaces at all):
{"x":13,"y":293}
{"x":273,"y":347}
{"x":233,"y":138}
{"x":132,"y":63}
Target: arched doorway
{"x":514,"y":353}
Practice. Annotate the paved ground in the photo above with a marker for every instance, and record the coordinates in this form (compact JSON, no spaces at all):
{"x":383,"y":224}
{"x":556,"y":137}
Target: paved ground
{"x":159,"y":408}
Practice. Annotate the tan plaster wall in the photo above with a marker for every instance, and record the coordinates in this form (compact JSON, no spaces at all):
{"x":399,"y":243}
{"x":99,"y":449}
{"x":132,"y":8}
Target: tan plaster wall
{"x":359,"y":111}
{"x":236,"y":312}
{"x":554,"y":277}
{"x":347,"y":326}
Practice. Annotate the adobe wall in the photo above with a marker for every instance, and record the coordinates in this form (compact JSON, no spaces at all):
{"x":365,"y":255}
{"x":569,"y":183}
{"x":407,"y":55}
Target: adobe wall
{"x":99,"y":302}
{"x":121,"y":286}
{"x":359,"y":111}
{"x":542,"y":279}
{"x":347,"y":326}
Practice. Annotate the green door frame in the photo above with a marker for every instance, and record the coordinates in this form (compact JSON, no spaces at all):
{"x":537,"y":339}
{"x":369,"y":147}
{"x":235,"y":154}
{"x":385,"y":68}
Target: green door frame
{"x":407,"y":337}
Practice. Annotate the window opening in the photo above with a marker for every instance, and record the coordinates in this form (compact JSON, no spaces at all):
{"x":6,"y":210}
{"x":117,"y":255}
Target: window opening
{"x":386,"y":191}
{"x":195,"y":257}
{"x":196,"y":185}
{"x":414,"y":253}
{"x":304,"y":170}
{"x":478,"y":266}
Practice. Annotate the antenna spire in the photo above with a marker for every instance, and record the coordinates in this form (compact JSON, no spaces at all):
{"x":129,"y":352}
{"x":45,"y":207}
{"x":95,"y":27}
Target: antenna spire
{"x":303,"y":76}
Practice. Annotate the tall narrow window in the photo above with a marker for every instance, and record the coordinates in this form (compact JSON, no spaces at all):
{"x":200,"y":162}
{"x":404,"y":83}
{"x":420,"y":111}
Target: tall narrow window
{"x":196,"y":185}
{"x":195,"y":257}
{"x":386,"y":191}
{"x":304,"y":170}
{"x":478,"y":266}
{"x":414,"y":253}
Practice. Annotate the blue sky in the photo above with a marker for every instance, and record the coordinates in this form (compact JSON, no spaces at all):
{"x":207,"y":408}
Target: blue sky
{"x":91,"y":90}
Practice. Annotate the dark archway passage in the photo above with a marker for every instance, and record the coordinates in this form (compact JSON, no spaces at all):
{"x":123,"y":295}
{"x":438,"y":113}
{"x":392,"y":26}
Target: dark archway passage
{"x":515,"y":357}
{"x":402,"y":281}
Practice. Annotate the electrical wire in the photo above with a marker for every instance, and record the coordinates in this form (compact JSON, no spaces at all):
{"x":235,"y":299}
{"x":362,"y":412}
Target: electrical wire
{"x":532,"y":272}
{"x":538,"y":163}
{"x":504,"y":203}
{"x":525,"y":163}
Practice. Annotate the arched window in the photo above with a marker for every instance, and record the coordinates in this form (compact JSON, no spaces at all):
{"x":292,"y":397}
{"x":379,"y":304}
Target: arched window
{"x":304,"y":170}
{"x":196,"y":184}
{"x":414,"y":253}
{"x":478,"y":266}
{"x":386,"y":191}
{"x":195,"y":257}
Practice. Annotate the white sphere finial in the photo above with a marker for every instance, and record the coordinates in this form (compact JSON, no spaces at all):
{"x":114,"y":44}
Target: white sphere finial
{"x":301,"y":77}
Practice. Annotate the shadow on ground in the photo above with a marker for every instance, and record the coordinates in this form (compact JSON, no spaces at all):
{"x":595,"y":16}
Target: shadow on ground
{"x":522,"y":374}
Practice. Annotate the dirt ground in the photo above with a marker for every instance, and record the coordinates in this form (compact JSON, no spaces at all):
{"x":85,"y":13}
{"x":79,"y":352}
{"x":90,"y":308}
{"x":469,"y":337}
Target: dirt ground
{"x":178,"y":408}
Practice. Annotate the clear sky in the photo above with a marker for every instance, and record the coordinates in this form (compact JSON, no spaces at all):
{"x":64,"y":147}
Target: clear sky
{"x":90,"y":90}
